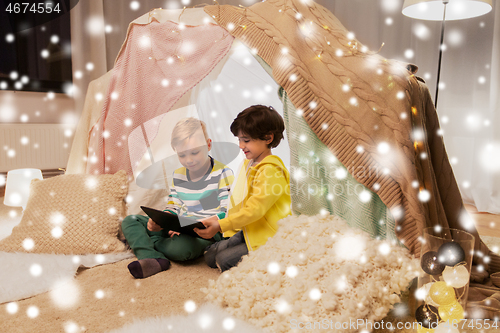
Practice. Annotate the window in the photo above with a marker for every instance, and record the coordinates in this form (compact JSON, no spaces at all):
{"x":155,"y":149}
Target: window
{"x":37,"y":58}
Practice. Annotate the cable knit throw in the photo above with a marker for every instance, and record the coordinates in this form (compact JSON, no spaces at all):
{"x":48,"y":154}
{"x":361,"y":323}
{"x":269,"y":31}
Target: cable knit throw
{"x":363,"y":107}
{"x":159,"y":63}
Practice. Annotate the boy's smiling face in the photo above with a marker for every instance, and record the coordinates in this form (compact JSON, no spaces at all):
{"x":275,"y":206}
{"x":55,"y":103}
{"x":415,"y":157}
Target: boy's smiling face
{"x":193,"y":152}
{"x":254,"y":149}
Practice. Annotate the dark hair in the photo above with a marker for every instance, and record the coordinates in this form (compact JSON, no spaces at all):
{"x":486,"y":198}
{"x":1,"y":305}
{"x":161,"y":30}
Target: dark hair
{"x":259,"y":121}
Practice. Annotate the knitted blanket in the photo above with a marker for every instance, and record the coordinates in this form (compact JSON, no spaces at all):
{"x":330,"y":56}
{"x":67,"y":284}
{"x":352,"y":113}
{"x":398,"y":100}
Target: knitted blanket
{"x":371,"y":112}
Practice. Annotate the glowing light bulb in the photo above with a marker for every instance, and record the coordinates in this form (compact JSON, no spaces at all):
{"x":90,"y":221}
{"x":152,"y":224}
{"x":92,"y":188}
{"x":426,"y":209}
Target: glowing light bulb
{"x":442,"y":293}
{"x":457,"y":277}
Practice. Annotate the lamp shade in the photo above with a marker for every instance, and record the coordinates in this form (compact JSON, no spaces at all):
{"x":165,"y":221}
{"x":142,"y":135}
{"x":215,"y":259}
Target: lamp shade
{"x":17,"y":188}
{"x":432,"y":10}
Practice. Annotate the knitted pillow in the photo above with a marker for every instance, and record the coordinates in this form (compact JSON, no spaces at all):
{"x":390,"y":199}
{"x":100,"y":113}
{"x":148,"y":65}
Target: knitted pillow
{"x":71,"y":214}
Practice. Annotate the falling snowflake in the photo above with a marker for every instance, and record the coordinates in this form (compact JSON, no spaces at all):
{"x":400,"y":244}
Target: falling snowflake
{"x":95,"y":25}
{"x":349,"y":247}
{"x":190,"y":306}
{"x":135,"y":5}
{"x":99,"y":294}
{"x":36,"y":270}
{"x":455,"y":37}
{"x":365,"y":196}
{"x":409,"y":54}
{"x":390,"y":6}
{"x":91,"y":182}
{"x":292,"y":271}
{"x":383,"y":148}
{"x":422,"y":31}
{"x":9,"y":38}
{"x":340,"y":173}
{"x":205,"y":321}
{"x":57,"y":218}
{"x":56,"y":232}
{"x":71,"y":327}
{"x":282,"y":306}
{"x":32,"y":311}
{"x":273,"y":268}
{"x":12,"y":307}
{"x":100,"y":258}
{"x":228,"y":324}
{"x":28,"y":244}
{"x":315,"y":294}
{"x":384,"y":249}
{"x":424,"y":195}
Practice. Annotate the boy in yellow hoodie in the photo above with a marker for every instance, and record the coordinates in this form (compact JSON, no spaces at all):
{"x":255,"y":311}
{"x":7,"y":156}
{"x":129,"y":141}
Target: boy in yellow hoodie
{"x":261,"y":196}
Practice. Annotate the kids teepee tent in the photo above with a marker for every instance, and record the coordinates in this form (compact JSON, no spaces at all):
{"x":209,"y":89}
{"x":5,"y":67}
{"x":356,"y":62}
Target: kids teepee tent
{"x":357,"y":124}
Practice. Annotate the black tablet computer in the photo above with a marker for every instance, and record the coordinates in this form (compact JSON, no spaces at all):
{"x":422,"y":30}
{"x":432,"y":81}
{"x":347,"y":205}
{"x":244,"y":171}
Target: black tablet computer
{"x":169,"y":221}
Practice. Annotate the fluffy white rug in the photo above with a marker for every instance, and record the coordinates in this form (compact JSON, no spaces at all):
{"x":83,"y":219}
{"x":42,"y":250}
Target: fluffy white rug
{"x":315,"y":270}
{"x":27,"y":274}
{"x":209,"y":318}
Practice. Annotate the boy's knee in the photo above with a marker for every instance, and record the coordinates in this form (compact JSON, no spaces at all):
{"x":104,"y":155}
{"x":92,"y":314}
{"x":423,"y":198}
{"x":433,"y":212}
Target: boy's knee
{"x":179,"y":255}
{"x":209,"y":256}
{"x":178,"y":248}
{"x":128,"y":222}
{"x":223,"y":262}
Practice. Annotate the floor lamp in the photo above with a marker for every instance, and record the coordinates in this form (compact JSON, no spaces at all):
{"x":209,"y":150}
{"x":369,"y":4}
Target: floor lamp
{"x":445,"y":10}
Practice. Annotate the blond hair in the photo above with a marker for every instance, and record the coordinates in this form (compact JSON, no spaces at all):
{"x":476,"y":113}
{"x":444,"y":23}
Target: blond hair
{"x":186,"y":128}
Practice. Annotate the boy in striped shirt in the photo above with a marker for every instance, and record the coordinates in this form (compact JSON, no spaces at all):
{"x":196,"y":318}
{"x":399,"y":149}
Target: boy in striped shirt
{"x":200,"y":188}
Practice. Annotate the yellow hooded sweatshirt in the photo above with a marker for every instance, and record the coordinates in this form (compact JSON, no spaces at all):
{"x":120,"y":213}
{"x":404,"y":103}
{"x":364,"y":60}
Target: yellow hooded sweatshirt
{"x":259,"y":199}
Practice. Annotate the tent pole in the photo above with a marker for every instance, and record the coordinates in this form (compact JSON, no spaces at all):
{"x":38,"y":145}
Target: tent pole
{"x":445,"y":2}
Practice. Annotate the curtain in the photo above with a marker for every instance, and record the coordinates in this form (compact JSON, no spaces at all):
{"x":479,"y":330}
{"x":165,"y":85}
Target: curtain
{"x":87,"y":47}
{"x":468,"y":105}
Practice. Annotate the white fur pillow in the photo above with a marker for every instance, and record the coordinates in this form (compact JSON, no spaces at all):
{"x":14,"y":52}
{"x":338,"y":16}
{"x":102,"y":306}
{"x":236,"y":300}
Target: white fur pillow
{"x":71,"y":214}
{"x":315,"y":269}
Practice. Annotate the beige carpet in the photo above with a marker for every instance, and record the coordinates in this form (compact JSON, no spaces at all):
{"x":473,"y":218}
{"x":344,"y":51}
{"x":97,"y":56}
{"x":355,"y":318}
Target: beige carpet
{"x":109,"y":297}
{"x":123,"y":299}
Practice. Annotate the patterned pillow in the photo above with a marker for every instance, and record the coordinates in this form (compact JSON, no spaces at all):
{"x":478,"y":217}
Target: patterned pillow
{"x":71,"y":214}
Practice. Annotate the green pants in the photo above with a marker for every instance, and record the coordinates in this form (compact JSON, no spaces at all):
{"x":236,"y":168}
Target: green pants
{"x":151,"y":244}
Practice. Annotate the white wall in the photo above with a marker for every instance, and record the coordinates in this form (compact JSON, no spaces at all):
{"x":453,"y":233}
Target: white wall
{"x":19,"y":107}
{"x":35,"y":107}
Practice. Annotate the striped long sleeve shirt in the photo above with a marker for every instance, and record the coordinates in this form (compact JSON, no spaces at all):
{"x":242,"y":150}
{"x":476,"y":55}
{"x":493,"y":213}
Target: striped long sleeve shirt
{"x":206,"y":197}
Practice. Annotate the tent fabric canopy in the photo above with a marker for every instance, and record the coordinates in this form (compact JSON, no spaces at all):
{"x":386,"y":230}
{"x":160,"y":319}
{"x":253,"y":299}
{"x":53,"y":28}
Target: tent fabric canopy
{"x":164,"y":53}
{"x":353,"y":100}
{"x":363,"y":107}
{"x":236,"y":82}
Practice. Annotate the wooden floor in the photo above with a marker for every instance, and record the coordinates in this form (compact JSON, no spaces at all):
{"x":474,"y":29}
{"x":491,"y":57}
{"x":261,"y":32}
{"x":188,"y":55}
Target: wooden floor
{"x":486,"y":224}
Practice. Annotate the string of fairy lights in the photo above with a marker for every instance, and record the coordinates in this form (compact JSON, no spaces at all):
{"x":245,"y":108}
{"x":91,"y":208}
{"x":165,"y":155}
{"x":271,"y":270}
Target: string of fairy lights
{"x":455,"y":274}
{"x":347,"y":40}
{"x":352,"y":48}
